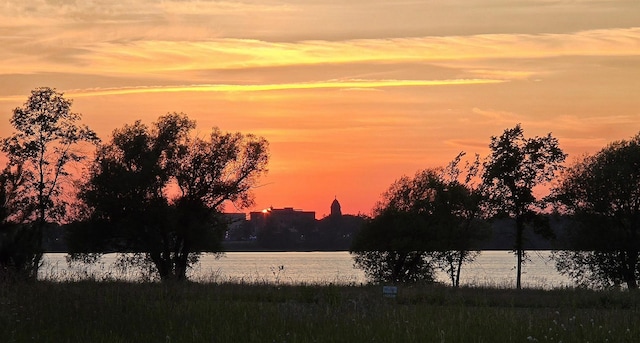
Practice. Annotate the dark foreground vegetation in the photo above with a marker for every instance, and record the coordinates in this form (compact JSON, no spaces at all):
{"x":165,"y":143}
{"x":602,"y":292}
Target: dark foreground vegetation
{"x":190,"y":312}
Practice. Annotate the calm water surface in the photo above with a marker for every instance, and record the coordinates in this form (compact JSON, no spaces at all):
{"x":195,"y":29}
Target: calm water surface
{"x":491,"y":268}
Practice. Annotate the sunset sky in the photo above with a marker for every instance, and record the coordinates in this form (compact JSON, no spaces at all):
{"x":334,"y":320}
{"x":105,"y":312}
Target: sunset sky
{"x":352,"y":94}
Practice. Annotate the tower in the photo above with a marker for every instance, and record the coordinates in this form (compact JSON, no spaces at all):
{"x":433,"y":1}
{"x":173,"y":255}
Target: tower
{"x":336,"y":211}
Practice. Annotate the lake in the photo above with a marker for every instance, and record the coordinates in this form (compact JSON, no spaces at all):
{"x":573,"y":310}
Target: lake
{"x":491,"y":268}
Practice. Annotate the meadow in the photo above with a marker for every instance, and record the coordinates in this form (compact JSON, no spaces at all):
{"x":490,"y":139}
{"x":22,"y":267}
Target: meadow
{"x":92,"y":311}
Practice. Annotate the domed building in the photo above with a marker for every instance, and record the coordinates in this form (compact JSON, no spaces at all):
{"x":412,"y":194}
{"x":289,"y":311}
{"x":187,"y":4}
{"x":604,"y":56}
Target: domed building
{"x":336,"y":210}
{"x":335,"y":231}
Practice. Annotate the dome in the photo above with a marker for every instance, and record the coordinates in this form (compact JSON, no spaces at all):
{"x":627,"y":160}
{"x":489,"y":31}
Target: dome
{"x":335,"y":208}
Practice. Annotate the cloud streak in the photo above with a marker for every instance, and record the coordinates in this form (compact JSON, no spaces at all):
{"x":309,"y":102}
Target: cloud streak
{"x":341,"y":84}
{"x":233,"y":88}
{"x":158,"y":56}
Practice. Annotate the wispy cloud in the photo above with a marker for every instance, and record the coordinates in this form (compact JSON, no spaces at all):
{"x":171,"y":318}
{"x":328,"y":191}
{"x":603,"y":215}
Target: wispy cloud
{"x":157,"y":56}
{"x":146,"y":36}
{"x":340,"y":84}
{"x":235,"y":53}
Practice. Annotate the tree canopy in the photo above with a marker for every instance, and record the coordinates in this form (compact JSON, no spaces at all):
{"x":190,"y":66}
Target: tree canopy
{"x":159,"y":191}
{"x":394,"y":247}
{"x":602,"y":193}
{"x":424,"y":222}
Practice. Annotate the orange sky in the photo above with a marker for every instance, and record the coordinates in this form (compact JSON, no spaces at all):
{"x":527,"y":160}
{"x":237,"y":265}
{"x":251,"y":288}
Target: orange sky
{"x":350,"y":94}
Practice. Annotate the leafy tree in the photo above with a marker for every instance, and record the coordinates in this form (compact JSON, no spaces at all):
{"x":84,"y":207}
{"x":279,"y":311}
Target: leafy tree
{"x":129,"y":192}
{"x":515,"y":166}
{"x":422,"y":223}
{"x":462,"y":222}
{"x":602,"y":193}
{"x":48,"y":139}
{"x":394,"y":247}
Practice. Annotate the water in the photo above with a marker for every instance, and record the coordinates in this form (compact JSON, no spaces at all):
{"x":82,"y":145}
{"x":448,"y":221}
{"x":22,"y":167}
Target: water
{"x":491,"y":268}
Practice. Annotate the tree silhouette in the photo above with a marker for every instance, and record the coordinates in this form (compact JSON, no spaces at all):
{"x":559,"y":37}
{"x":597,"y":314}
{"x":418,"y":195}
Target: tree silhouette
{"x":515,"y":166}
{"x":394,"y":247}
{"x":602,"y":193}
{"x":424,"y":222}
{"x":462,"y":221}
{"x":130,"y":186}
{"x":46,"y":141}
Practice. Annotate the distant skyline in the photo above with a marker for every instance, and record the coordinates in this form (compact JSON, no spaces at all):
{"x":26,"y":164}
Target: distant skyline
{"x":351,"y":95}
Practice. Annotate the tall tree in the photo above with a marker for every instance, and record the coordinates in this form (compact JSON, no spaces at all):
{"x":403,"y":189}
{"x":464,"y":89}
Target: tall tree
{"x":515,"y":166}
{"x":48,"y":138}
{"x":159,"y":191}
{"x":602,"y":193}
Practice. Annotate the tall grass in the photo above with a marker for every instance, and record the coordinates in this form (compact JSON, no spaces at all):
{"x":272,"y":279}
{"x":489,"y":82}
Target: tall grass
{"x":195,"y":312}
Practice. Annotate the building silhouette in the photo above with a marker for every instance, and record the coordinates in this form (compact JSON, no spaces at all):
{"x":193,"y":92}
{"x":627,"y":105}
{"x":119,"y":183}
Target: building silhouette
{"x":336,"y":231}
{"x":336,"y":210}
{"x":237,"y":227}
{"x":293,"y":229}
{"x":282,"y":228}
{"x":283,"y":217}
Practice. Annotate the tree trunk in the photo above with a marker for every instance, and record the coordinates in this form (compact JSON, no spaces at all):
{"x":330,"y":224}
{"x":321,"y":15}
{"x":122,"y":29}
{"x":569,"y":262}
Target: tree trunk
{"x":630,"y":270}
{"x":460,"y":259}
{"x":452,"y":268}
{"x":182,"y":260}
{"x":162,"y":265}
{"x":519,"y":251}
{"x":182,"y":255}
{"x":397,"y":267}
{"x":36,"y":251}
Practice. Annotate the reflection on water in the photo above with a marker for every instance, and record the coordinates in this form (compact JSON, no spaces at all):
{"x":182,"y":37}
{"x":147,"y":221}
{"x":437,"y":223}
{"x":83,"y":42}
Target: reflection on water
{"x":491,"y":268}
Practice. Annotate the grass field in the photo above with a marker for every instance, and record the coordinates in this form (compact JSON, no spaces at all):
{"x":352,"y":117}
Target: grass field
{"x":194,"y":312}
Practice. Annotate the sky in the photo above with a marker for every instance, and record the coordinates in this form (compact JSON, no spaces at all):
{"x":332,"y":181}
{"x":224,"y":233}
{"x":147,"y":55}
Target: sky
{"x":351,"y":95}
